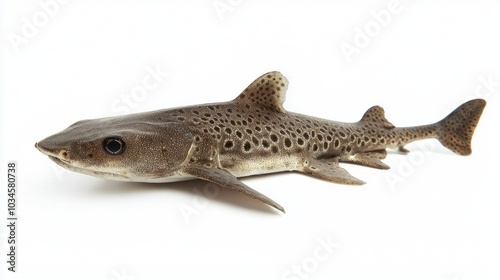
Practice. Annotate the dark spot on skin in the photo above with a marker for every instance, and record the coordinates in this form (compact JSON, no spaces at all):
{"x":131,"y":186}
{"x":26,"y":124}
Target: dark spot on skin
{"x":196,"y":112}
{"x":342,"y":134}
{"x":249,"y":131}
{"x":228,"y":144}
{"x":320,"y":137}
{"x":306,"y":135}
{"x":315,"y":147}
{"x":348,"y":149}
{"x":228,"y":130}
{"x":300,"y":141}
{"x":325,"y":145}
{"x":288,"y":142}
{"x":216,"y":128}
{"x":336,"y":143}
{"x":247,"y":146}
{"x":90,"y":155}
{"x":274,"y":149}
{"x":265,"y":144}
{"x":239,"y":134}
{"x":255,"y":141}
{"x":274,"y":138}
{"x":181,"y":118}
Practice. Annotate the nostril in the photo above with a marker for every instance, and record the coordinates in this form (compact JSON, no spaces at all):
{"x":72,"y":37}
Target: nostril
{"x":63,"y":154}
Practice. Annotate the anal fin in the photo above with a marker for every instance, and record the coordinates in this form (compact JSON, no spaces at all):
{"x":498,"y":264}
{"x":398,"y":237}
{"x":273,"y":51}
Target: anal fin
{"x":227,"y":180}
{"x":370,"y":159}
{"x":329,"y":169}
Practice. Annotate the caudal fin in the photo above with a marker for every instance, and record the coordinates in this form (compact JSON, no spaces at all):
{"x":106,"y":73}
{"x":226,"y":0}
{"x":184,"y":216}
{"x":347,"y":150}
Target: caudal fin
{"x":456,"y":130}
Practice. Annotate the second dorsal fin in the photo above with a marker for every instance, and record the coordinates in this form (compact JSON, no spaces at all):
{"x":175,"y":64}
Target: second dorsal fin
{"x":267,"y":90}
{"x":376,"y":115}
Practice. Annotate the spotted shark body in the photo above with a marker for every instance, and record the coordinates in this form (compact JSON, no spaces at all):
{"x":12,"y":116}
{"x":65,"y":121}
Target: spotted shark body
{"x":252,"y":134}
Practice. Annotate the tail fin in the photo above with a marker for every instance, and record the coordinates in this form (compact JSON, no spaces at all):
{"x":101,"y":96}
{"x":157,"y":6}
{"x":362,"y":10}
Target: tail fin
{"x":456,"y":130}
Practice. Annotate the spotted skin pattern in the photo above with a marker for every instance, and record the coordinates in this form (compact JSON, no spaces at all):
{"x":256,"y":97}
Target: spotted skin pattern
{"x":252,"y":134}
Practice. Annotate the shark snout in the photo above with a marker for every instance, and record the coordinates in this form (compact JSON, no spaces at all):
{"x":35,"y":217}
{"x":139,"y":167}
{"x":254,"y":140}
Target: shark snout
{"x":52,"y":151}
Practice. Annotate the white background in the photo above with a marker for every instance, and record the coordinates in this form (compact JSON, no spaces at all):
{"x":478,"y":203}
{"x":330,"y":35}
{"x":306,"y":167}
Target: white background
{"x":434,"y":215}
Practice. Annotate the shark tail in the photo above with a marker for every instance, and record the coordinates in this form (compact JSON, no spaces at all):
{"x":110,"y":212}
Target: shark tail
{"x":456,"y":130}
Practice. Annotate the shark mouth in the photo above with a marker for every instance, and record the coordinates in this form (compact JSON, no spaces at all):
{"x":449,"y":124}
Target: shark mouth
{"x":107,"y":175}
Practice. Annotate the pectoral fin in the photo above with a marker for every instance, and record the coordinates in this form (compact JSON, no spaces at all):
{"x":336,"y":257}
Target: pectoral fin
{"x":227,"y":180}
{"x":329,"y":169}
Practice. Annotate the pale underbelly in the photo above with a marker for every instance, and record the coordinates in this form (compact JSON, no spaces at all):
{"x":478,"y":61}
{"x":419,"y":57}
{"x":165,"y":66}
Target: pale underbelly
{"x":259,"y":165}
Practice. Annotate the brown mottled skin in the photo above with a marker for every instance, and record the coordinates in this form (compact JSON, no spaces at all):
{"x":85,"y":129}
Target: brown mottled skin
{"x":253,"y":134}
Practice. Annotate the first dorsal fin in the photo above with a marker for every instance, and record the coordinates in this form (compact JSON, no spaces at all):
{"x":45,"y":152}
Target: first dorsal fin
{"x":267,"y":90}
{"x":376,"y":115}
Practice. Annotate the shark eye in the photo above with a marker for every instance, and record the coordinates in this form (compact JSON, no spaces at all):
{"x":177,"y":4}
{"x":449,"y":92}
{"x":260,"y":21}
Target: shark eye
{"x":114,"y":145}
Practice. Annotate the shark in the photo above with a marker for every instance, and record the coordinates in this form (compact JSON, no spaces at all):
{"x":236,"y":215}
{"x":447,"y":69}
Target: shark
{"x":250,"y":135}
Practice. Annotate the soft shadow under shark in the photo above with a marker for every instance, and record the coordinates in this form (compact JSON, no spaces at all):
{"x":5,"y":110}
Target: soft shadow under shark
{"x":192,"y":188}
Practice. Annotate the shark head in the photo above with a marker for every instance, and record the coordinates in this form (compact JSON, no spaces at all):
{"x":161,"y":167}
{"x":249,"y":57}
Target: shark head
{"x":128,"y":148}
